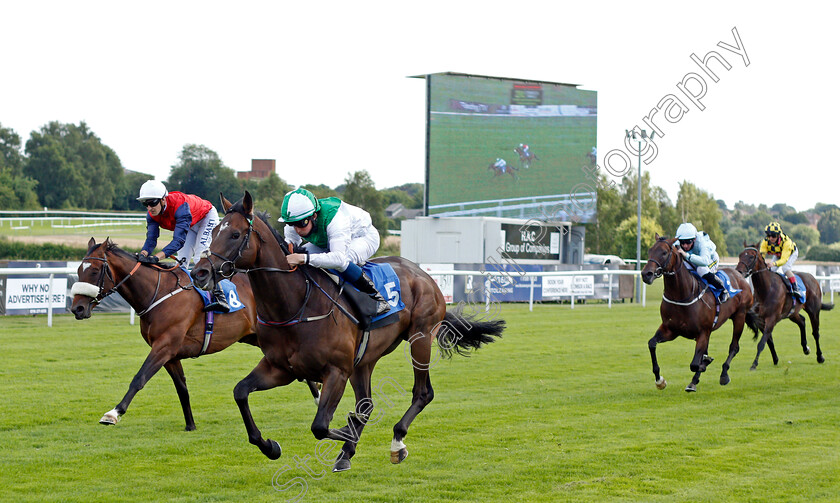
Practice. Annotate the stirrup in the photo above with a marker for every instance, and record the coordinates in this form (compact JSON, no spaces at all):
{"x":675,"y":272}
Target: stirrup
{"x":724,"y":296}
{"x":382,"y":307}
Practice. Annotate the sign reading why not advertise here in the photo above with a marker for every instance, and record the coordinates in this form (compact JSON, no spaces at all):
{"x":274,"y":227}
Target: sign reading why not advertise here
{"x":531,"y":241}
{"x":32,"y":295}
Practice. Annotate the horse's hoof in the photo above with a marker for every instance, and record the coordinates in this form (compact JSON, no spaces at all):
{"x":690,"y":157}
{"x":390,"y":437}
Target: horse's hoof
{"x":342,"y":464}
{"x":398,"y":456}
{"x":806,"y":350}
{"x":820,"y":359}
{"x":691,"y":388}
{"x":110,"y":417}
{"x":190,"y":427}
{"x":661,"y":383}
{"x":753,"y":367}
{"x":274,"y":450}
{"x":724,"y":380}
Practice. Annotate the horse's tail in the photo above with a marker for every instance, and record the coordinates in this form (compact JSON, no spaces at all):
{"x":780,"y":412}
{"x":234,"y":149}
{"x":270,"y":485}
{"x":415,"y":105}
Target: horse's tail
{"x":755,"y":322}
{"x":460,"y":333}
{"x":826,"y":307}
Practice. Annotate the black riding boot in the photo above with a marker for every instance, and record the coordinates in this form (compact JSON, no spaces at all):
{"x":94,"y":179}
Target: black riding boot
{"x":365,"y":285}
{"x":794,"y":288}
{"x":219,"y":302}
{"x":714,"y":281}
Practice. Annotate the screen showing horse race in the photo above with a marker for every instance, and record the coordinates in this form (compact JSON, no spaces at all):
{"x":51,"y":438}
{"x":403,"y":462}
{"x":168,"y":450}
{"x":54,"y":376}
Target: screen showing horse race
{"x":509,"y":148}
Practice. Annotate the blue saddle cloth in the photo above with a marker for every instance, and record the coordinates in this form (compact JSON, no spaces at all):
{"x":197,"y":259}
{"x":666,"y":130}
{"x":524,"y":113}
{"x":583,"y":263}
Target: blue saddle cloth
{"x":799,"y":284}
{"x":388,"y":284}
{"x":229,"y":289}
{"x":723,"y":279}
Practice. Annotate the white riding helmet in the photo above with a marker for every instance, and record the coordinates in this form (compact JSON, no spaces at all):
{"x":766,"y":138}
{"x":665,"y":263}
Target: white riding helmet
{"x":686,"y":231}
{"x":152,"y":189}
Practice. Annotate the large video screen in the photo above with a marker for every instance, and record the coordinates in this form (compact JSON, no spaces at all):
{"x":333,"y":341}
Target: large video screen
{"x":509,"y":148}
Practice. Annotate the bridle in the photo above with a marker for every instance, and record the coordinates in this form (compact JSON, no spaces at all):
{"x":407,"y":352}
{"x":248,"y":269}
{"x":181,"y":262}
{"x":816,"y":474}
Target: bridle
{"x":228,"y":266}
{"x":106,"y":271}
{"x":751,"y":268}
{"x":660,"y":268}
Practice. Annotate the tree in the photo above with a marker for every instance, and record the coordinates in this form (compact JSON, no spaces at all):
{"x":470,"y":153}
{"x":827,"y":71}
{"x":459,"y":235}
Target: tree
{"x":17,"y":192}
{"x":360,"y":191}
{"x":128,"y":189}
{"x":72,"y":166}
{"x":626,"y":236}
{"x":829,"y":226}
{"x":735,"y":238}
{"x":200,"y":171}
{"x":700,"y":208}
{"x":268,"y":195}
{"x":804,"y":236}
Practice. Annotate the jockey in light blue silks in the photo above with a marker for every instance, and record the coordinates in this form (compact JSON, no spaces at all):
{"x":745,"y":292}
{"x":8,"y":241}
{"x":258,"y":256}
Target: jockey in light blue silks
{"x":700,"y":253}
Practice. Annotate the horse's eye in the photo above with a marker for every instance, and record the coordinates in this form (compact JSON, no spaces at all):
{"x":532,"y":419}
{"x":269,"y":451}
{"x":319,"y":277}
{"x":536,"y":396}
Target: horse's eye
{"x":234,"y":235}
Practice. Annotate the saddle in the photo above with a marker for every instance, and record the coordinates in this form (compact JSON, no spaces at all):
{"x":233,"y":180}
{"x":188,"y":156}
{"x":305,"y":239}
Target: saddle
{"x":363,"y":305}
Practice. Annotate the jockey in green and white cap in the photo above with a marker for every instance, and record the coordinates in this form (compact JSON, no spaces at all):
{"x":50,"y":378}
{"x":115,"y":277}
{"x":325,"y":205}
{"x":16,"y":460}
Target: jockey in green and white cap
{"x":700,"y":254}
{"x":337,"y":236}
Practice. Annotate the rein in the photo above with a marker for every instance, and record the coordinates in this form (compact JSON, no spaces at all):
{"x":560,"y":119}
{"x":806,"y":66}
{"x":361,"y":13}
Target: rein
{"x":106,"y":271}
{"x":297,"y":317}
{"x":751,"y":269}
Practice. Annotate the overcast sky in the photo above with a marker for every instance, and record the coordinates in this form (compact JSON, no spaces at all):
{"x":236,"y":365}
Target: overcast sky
{"x":322,"y":87}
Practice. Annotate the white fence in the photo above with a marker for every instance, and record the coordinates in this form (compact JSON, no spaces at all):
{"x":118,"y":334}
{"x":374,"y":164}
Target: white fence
{"x":832,"y":280}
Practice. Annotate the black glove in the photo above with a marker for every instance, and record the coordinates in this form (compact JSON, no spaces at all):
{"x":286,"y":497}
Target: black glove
{"x":147,"y":259}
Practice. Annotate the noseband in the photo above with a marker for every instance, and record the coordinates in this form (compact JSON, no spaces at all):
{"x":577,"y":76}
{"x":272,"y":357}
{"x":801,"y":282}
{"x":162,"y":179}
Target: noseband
{"x":660,"y":268}
{"x":228,"y":266}
{"x":751,"y":268}
{"x":106,"y":271}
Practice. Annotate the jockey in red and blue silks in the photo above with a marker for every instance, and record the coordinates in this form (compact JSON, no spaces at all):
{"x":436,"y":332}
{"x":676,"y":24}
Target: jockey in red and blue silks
{"x":191,"y":220}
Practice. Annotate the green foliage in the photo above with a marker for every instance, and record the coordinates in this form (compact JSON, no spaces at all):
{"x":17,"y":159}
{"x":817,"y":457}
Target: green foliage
{"x":700,"y":208}
{"x":360,"y":191}
{"x":823,"y":253}
{"x":829,"y":226}
{"x":321,"y":191}
{"x":128,"y":190}
{"x":626,"y":236}
{"x":804,"y":236}
{"x":14,"y":250}
{"x":200,"y":171}
{"x":735,"y":238}
{"x":73,"y":168}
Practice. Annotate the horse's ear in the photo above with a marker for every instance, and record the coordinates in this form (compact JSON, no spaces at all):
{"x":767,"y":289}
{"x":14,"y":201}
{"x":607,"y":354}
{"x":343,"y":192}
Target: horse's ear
{"x":656,"y":236}
{"x":745,"y":244}
{"x":225,"y":203}
{"x":248,"y":203}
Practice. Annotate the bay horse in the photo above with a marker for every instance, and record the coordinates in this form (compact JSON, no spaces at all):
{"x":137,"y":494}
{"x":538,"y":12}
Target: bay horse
{"x":510,"y":170}
{"x":525,"y":158}
{"x":174,"y":328}
{"x":304,"y":334}
{"x":774,"y":303}
{"x":689,"y":309}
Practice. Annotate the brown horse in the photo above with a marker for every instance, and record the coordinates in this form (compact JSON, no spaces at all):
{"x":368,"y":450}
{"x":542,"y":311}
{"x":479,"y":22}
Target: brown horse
{"x":689,"y":309}
{"x":304,"y":333}
{"x":174,"y":328}
{"x":774,"y":303}
{"x":508,"y":169}
{"x":525,"y":158}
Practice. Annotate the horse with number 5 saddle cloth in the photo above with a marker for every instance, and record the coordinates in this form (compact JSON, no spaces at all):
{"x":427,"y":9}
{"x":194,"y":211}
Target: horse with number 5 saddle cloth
{"x":307,"y":330}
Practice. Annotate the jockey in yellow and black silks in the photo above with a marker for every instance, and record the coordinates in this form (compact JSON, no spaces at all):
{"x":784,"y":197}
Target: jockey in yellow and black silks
{"x":780,"y":252}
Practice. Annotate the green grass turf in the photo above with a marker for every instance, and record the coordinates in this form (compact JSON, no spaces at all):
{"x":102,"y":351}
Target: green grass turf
{"x":563,"y":408}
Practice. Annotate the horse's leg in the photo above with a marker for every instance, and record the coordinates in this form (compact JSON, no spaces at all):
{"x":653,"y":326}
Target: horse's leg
{"x":264,"y":376}
{"x":814,"y":314}
{"x":421,"y":394}
{"x":176,"y":372}
{"x":315,"y":390}
{"x":357,"y":419}
{"x":766,"y":338}
{"x":156,"y":359}
{"x":734,"y":346}
{"x":663,"y":334}
{"x":800,"y":322}
{"x":335,"y":381}
{"x":700,"y":361}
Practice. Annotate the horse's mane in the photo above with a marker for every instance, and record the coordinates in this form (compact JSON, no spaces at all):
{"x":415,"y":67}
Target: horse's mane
{"x":664,"y":238}
{"x":266,"y":218}
{"x":114,"y":248}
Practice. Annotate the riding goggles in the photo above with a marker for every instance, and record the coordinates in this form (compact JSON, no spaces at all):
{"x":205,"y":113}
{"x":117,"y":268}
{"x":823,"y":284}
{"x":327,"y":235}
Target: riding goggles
{"x":687,"y":241}
{"x":150,"y":202}
{"x":771,"y":234}
{"x":300,"y":224}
